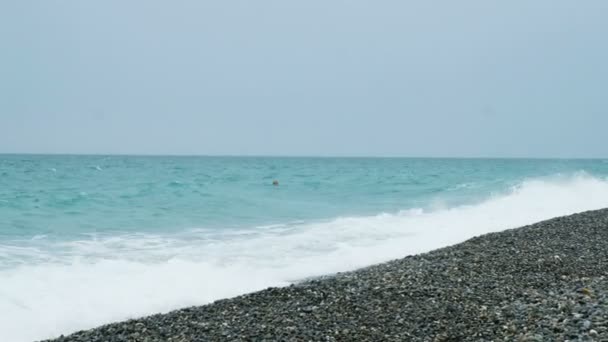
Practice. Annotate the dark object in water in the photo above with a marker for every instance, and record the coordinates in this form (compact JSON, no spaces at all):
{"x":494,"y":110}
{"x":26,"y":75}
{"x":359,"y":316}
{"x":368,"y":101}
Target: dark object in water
{"x":275,"y":182}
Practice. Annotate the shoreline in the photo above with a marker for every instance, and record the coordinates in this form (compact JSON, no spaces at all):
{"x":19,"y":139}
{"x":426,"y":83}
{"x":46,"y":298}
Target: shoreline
{"x":545,"y":281}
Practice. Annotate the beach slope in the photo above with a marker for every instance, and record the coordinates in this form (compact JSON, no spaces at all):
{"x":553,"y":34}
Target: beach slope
{"x":546,"y":281}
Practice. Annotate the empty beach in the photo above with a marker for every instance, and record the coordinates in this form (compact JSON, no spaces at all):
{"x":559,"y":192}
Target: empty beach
{"x":541,"y":282}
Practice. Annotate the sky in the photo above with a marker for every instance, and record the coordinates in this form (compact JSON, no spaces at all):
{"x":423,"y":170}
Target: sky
{"x":323,"y":78}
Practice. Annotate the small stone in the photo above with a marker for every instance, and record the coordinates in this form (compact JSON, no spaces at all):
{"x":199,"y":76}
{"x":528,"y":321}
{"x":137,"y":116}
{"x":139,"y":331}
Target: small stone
{"x":308,"y":308}
{"x":586,"y":324}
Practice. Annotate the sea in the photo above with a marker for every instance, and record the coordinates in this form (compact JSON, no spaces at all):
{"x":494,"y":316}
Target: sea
{"x":89,"y":240}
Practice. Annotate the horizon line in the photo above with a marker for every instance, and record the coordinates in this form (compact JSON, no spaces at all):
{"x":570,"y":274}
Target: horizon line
{"x":58,"y":154}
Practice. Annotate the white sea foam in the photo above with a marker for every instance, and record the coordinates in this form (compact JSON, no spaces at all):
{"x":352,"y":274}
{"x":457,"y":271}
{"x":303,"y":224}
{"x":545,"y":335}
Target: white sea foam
{"x":66,"y":286}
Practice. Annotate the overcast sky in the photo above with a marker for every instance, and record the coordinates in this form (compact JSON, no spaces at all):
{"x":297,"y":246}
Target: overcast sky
{"x":383,"y":78}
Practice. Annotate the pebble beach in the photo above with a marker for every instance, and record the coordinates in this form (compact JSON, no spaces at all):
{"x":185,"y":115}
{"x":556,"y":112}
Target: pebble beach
{"x":543,"y":282}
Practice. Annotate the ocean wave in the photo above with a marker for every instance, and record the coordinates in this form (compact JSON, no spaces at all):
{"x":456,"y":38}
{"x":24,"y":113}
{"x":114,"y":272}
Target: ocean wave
{"x":53,"y":287}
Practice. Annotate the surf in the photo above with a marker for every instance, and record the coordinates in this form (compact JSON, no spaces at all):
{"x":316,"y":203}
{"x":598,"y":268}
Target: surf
{"x":52,"y":287}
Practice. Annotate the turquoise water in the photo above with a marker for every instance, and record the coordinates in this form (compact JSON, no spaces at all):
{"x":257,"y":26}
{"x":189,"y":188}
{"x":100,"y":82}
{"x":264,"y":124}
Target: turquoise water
{"x":86,"y":240}
{"x":64,"y":196}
